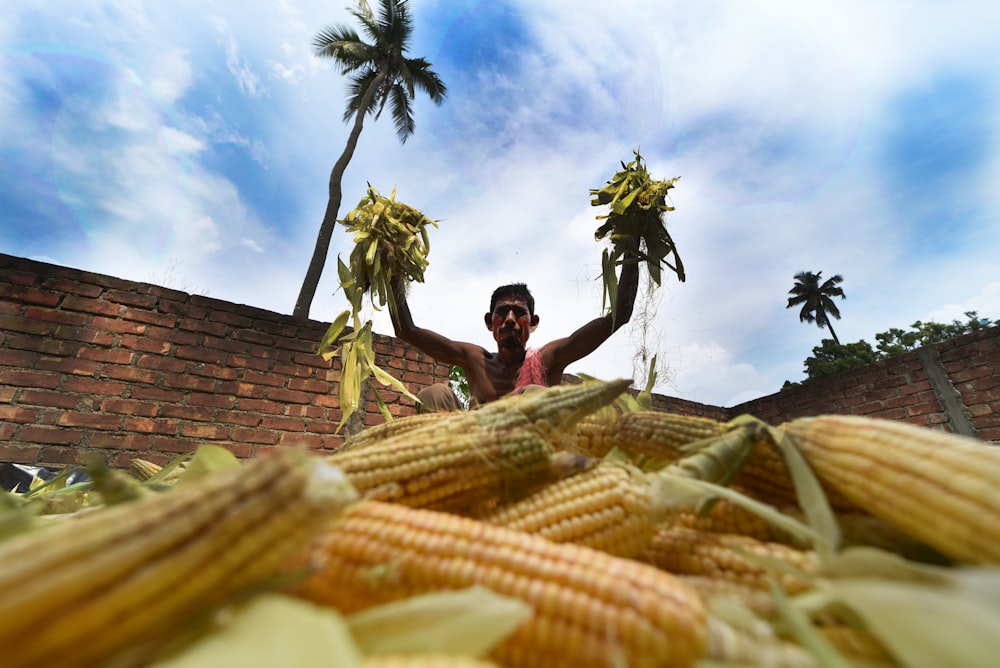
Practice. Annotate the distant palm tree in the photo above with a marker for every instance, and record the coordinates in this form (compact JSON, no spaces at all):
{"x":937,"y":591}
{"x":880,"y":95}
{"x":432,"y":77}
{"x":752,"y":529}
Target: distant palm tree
{"x":816,"y":299}
{"x":380,"y":74}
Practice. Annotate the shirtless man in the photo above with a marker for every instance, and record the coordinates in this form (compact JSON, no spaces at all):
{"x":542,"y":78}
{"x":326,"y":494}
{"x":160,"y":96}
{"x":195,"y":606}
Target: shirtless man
{"x":512,"y":319}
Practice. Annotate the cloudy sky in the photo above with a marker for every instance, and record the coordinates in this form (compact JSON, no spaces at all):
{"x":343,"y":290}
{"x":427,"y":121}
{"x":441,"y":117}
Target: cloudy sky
{"x":189,"y":143}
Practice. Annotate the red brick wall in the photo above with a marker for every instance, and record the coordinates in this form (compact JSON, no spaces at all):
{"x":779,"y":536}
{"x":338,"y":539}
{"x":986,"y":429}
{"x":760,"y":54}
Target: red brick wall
{"x":90,"y":363}
{"x":94,"y":363}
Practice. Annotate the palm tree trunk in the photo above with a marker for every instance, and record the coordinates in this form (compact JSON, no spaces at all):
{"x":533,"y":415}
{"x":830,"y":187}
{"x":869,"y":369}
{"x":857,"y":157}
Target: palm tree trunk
{"x":322,"y":249}
{"x":832,"y":333}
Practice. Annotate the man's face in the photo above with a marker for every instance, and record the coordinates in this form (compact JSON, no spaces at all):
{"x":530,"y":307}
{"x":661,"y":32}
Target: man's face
{"x":511,"y":323}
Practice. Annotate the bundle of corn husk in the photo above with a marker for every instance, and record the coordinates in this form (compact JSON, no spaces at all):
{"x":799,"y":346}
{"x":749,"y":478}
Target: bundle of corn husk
{"x":391,"y":244}
{"x":635,"y":224}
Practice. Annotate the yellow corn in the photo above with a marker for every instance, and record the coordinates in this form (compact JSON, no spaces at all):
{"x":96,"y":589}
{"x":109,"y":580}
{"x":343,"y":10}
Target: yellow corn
{"x":469,"y":459}
{"x":591,"y":609}
{"x":594,"y":436}
{"x":389,"y":429}
{"x":683,"y":550}
{"x":608,"y":508}
{"x":857,"y":644}
{"x":712,"y":588}
{"x":662,"y":435}
{"x":728,"y":517}
{"x":742,"y":647}
{"x":84,"y":590}
{"x":427,"y":661}
{"x":939,"y":487}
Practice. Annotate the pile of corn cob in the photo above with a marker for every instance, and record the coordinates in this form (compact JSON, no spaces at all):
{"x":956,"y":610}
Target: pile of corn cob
{"x":594,"y":536}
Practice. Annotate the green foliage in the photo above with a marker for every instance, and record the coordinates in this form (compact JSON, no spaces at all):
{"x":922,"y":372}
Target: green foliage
{"x":817,"y":299}
{"x":831,"y":357}
{"x":459,"y":384}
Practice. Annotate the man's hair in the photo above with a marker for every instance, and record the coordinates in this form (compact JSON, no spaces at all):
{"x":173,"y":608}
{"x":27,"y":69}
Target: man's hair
{"x":513,"y":290}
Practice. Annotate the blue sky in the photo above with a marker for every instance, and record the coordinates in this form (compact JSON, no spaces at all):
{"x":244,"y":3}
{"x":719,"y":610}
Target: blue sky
{"x":189,"y":144}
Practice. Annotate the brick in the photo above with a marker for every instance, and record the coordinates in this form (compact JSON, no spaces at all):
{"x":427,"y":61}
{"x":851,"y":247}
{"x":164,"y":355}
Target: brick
{"x":215,"y":343}
{"x":163,"y":320}
{"x":243,"y":418}
{"x":131,"y":298}
{"x":310,"y":441}
{"x":19,"y":324}
{"x":118,"y":326}
{"x":288,"y":396}
{"x":111,"y":356}
{"x":18,"y":414}
{"x":189,"y":382}
{"x":282,"y":424}
{"x":32,"y":295}
{"x":129,"y":407}
{"x":17,"y":358}
{"x":271,"y":380}
{"x":68,"y":365}
{"x":261,"y":436}
{"x":55,"y":316}
{"x":51,"y":435}
{"x":142,"y":344}
{"x":89,"y":420}
{"x":203,"y":326}
{"x":161,"y":363}
{"x":119,"y":441}
{"x":197,"y":354}
{"x":27,"y":378}
{"x":19,"y":454}
{"x":213,"y":432}
{"x":50,"y":399}
{"x":59,"y":456}
{"x":174,"y":445}
{"x":260,"y":406}
{"x":85,"y":335}
{"x":309,"y":385}
{"x":157,"y":394}
{"x":130,"y":374}
{"x":93,"y":306}
{"x":216,"y":401}
{"x":187,"y":413}
{"x":147,"y":425}
{"x":46,"y":345}
{"x":91,"y":386}
{"x":72,"y":287}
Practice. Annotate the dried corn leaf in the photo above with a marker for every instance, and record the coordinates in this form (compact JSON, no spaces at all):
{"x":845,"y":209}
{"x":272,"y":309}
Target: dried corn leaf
{"x":207,"y":459}
{"x":467,"y":622}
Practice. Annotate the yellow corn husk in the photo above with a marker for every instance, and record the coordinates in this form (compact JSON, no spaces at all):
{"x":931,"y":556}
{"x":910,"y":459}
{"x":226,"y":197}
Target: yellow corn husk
{"x":939,"y":487}
{"x":857,"y":644}
{"x":682,"y":550}
{"x":84,"y":590}
{"x":469,"y":459}
{"x":427,"y":661}
{"x":608,"y":508}
{"x":591,"y":609}
{"x":144,"y":469}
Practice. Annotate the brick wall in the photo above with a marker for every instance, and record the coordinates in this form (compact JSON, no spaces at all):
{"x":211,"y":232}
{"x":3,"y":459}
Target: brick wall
{"x":90,"y":363}
{"x":94,"y":363}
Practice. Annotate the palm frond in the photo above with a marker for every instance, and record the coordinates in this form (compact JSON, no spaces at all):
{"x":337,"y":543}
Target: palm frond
{"x":402,"y":112}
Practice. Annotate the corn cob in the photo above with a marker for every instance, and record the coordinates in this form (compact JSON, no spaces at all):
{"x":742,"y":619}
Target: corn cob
{"x":712,"y":588}
{"x":84,"y":590}
{"x":591,"y":609}
{"x":427,"y":661}
{"x":663,"y":435}
{"x":470,"y":459}
{"x":594,"y":436}
{"x":729,"y":645}
{"x":728,"y":517}
{"x":936,"y":486}
{"x":608,"y":508}
{"x":389,"y":429}
{"x":683,"y":550}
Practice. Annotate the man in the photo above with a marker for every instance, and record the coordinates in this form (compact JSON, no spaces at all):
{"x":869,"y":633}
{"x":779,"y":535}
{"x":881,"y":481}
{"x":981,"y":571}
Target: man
{"x":513,"y":366}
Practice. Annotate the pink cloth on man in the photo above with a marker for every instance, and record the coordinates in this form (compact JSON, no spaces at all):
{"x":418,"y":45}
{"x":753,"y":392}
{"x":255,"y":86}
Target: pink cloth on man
{"x":532,"y":370}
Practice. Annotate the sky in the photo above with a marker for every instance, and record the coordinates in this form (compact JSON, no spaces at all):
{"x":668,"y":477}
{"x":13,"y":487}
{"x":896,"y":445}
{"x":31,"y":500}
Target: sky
{"x":189,"y":144}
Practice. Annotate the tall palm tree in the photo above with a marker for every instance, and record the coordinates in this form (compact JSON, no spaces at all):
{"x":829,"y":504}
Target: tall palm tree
{"x":381,"y":74}
{"x":816,"y":299}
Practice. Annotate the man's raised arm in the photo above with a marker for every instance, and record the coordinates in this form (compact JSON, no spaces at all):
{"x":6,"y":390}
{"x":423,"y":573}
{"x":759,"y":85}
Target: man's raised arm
{"x":431,"y":343}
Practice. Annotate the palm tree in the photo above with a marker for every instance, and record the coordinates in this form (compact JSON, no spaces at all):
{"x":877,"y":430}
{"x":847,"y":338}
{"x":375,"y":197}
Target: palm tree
{"x":817,"y":300}
{"x":380,"y":74}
